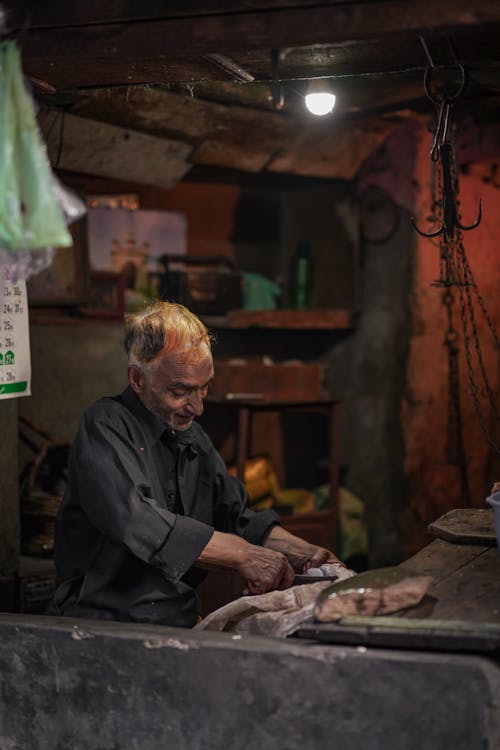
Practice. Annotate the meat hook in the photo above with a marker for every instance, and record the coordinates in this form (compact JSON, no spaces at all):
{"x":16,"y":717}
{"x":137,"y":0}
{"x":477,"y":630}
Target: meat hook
{"x":450,"y":213}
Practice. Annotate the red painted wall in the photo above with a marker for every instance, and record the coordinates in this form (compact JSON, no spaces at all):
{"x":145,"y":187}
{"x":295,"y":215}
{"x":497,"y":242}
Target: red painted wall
{"x":433,"y":483}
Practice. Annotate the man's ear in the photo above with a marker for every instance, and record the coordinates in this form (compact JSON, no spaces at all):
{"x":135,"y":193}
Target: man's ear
{"x":136,"y":378}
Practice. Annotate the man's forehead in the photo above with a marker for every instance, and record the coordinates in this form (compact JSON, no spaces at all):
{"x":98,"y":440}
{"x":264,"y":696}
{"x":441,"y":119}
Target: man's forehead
{"x":186,"y":365}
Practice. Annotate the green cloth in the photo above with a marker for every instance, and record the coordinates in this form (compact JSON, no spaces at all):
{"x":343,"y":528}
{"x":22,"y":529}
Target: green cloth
{"x":259,"y":293}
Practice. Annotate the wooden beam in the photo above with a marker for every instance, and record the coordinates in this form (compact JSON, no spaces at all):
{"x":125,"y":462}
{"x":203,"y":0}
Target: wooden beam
{"x":229,"y":32}
{"x":57,"y":13}
{"x":91,"y":147}
{"x":240,"y":138}
{"x":61,"y":14}
{"x":89,"y":73}
{"x":334,"y":152}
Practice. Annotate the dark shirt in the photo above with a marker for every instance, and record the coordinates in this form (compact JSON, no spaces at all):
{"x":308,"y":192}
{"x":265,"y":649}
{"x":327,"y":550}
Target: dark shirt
{"x":140,"y":506}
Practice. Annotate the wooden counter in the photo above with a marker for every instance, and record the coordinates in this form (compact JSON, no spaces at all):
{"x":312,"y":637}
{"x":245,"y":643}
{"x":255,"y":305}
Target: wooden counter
{"x":461,"y":611}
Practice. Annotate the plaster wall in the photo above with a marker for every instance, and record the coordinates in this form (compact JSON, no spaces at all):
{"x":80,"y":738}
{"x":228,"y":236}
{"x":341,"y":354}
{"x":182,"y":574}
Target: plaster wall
{"x":433,"y":474}
{"x":365,"y":372}
{"x":211,"y":212}
{"x":72,"y":365}
{"x":392,"y":375}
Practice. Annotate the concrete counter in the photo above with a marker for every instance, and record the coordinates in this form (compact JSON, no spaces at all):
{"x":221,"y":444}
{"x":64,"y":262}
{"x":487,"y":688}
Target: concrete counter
{"x":81,"y":685}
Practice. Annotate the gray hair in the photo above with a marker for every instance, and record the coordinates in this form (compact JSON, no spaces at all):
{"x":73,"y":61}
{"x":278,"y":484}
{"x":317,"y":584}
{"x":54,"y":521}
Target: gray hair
{"x":163,"y":326}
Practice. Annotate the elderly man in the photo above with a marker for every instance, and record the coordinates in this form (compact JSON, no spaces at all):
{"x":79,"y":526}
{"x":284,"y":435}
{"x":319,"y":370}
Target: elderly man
{"x":149,"y":501}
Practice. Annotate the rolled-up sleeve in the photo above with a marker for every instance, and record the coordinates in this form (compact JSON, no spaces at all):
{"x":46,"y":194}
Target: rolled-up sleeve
{"x":118,"y":499}
{"x":183,"y":546}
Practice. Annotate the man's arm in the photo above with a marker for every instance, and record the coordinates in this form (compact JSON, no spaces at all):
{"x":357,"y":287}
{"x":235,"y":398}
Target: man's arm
{"x":300,"y":554}
{"x":264,"y":540}
{"x":263,"y":569}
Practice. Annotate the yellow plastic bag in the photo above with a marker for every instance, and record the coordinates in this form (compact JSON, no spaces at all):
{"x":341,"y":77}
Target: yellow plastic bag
{"x":30,"y":217}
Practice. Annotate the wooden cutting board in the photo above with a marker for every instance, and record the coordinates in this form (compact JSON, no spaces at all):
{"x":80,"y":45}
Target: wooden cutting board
{"x":465,"y":526}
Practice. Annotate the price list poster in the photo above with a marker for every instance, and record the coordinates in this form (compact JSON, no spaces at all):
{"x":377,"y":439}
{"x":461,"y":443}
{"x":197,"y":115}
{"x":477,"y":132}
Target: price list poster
{"x":15,"y":364}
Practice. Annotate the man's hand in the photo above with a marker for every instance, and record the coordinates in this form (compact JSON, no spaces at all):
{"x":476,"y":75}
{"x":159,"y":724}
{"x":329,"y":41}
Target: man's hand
{"x":301,"y":554}
{"x":263,"y":569}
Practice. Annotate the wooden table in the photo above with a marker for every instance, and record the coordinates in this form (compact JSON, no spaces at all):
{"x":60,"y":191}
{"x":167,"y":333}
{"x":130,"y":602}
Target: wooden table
{"x":466,"y":571}
{"x":461,"y":611}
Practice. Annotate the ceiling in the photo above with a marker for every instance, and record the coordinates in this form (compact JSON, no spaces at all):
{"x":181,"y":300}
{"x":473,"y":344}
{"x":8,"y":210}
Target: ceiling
{"x":217,"y":84}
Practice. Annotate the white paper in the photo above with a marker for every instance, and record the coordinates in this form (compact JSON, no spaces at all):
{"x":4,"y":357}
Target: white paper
{"x":15,"y":362}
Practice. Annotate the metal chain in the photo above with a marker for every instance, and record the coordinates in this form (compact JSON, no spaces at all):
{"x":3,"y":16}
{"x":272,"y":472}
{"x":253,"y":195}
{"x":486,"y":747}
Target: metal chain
{"x":455,"y":446}
{"x":473,"y":389}
{"x":455,"y":270}
{"x":467,"y":280}
{"x":472,"y":283}
{"x":467,"y":273}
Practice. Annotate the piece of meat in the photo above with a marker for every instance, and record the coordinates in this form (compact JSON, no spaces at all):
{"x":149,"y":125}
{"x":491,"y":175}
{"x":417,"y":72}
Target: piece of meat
{"x":387,"y":591}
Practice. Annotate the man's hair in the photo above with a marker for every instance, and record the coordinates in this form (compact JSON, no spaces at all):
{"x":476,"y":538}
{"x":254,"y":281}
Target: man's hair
{"x":163,"y":326}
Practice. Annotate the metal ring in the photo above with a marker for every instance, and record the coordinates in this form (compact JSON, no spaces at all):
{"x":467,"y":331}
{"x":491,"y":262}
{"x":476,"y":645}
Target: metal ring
{"x":449,"y":99}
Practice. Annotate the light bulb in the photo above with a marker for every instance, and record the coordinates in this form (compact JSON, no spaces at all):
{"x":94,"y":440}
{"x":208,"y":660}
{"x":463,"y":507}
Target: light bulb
{"x":319,"y":99}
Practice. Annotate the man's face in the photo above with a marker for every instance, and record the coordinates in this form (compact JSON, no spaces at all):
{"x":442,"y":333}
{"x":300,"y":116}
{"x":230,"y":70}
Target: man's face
{"x":174,"y":386}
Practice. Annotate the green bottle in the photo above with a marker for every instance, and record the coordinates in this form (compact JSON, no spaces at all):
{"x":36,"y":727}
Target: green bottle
{"x":301,"y":277}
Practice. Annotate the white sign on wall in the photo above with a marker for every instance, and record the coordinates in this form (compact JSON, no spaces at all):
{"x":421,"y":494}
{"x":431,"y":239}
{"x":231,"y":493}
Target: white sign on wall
{"x":117,"y":231}
{"x":15,"y":363}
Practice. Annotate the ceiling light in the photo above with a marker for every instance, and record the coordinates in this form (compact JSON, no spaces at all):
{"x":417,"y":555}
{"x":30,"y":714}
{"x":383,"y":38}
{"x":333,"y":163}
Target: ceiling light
{"x":319,"y":99}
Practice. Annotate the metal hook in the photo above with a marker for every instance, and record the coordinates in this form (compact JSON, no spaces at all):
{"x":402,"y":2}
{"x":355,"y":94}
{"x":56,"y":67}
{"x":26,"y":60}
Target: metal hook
{"x":445,"y":104}
{"x":441,"y":149}
{"x":441,"y":133}
{"x":426,"y":234}
{"x":450,"y":213}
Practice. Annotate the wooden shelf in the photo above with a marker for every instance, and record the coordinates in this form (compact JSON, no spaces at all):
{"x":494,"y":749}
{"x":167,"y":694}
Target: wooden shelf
{"x":331,"y":319}
{"x":326,"y":320}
